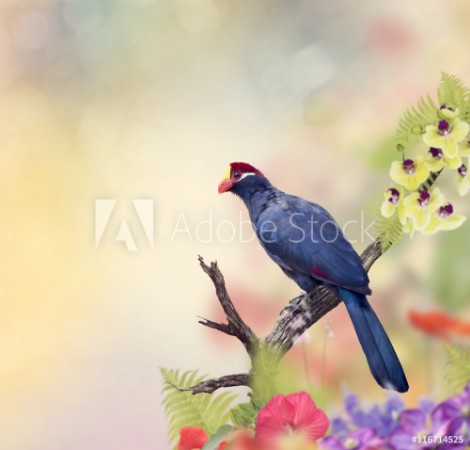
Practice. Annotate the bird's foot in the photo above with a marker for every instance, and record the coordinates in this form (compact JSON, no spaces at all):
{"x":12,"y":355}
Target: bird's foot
{"x":296,"y":306}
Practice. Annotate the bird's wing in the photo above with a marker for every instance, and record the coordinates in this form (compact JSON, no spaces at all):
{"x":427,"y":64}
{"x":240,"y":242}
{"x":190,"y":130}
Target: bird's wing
{"x":302,"y":236}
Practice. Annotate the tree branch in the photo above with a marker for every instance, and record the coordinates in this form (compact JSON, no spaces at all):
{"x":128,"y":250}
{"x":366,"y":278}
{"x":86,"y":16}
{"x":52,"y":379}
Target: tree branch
{"x":209,"y":386}
{"x":235,"y":326}
{"x":223,"y":327}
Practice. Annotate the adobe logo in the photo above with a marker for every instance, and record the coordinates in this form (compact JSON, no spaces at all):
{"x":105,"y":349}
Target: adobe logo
{"x":135,"y":221}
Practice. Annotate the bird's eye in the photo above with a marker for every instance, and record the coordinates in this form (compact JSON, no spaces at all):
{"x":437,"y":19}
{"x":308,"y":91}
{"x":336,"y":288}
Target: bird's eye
{"x":237,"y":175}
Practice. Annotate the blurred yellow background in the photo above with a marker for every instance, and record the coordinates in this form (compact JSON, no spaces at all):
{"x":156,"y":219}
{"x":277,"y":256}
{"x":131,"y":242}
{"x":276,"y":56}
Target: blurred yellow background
{"x":151,"y":99}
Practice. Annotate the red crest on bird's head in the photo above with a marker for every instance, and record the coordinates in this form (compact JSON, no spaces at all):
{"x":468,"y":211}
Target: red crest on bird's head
{"x":236,"y":172}
{"x":244,"y":168}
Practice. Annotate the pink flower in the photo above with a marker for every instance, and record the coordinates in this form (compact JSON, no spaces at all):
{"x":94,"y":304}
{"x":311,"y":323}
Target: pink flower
{"x":292,"y":414}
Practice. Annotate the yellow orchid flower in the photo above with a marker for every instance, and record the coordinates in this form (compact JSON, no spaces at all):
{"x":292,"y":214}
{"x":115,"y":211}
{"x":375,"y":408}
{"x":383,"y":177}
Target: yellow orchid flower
{"x":409,"y":173}
{"x":393,"y":201}
{"x":444,"y":219}
{"x":446,"y":136}
{"x":419,"y":207}
{"x":436,"y":160}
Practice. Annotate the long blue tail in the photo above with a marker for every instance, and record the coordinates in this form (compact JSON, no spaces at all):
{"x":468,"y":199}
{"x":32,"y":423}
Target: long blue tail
{"x":383,"y":361}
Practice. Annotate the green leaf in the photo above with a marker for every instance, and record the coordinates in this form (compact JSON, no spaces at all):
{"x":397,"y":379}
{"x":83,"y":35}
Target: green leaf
{"x":458,"y":367}
{"x":389,"y":230}
{"x":244,"y":414}
{"x":182,"y":408}
{"x":414,"y":121}
{"x":453,"y":92}
{"x":219,"y":436}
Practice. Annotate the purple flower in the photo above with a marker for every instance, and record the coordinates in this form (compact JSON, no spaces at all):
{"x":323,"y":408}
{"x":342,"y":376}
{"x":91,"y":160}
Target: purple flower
{"x":339,"y":427}
{"x":452,"y":417}
{"x":361,"y":439}
{"x":393,"y":407}
{"x":382,"y":419}
{"x":391,"y":427}
{"x":412,"y":424}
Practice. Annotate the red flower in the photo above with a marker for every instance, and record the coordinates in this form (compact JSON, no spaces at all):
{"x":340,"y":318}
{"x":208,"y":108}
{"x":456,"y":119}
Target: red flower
{"x":291,"y":414}
{"x":438,"y":324}
{"x":194,"y":438}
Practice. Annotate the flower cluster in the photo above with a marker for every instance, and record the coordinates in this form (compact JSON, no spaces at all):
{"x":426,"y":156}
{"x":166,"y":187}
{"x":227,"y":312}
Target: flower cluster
{"x":291,"y":422}
{"x":390,"y":426}
{"x":418,"y":207}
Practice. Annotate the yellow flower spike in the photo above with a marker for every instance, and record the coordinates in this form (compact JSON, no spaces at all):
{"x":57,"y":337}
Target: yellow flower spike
{"x":446,"y":136}
{"x":392,"y":202}
{"x":463,"y":180}
{"x":409,"y":173}
{"x":444,"y":219}
{"x":419,"y":207}
{"x":436,"y":160}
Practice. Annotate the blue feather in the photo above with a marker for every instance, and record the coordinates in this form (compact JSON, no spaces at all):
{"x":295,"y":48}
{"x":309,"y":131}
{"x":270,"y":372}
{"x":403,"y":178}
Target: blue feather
{"x":381,"y":357}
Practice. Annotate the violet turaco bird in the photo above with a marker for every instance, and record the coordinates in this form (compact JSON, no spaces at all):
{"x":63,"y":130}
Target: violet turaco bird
{"x":304,"y":240}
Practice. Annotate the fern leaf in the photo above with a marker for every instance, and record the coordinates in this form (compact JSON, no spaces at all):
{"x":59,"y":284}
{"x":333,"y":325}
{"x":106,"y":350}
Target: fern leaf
{"x":219,"y":411}
{"x":415,"y":119}
{"x":182,"y":408}
{"x":389,"y":231}
{"x":453,"y":92}
{"x":458,"y":367}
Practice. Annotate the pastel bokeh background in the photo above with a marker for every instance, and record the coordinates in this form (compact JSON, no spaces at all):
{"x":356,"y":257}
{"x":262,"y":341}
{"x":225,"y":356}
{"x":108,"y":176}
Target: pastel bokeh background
{"x":132,"y":99}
